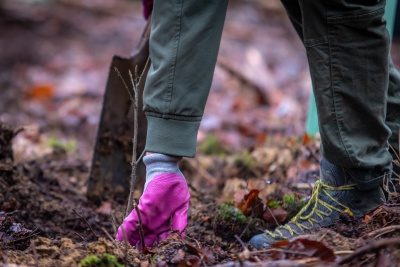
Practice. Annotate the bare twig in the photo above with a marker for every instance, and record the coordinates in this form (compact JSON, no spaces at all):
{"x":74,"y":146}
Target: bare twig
{"x":125,"y":85}
{"x":88,"y":224}
{"x":195,"y":240}
{"x":245,"y":254}
{"x":322,"y":236}
{"x":134,"y":162}
{"x":341,"y":252}
{"x":108,"y":234}
{"x":33,"y":233}
{"x":180,"y":232}
{"x":140,"y":226}
{"x":268,"y":263}
{"x":240,"y":260}
{"x":266,"y":251}
{"x":146,"y":66}
{"x":373,"y":247}
{"x":381,"y":231}
{"x":84,"y":239}
{"x":203,"y":261}
{"x":269,"y":210}
{"x":2,"y":256}
{"x":135,"y":100}
{"x":114,"y":223}
{"x":141,"y":156}
{"x":241,"y":242}
{"x":245,"y":229}
{"x":394,"y":151}
{"x":134,"y":149}
{"x":126,"y":243}
{"x":35,"y":254}
{"x":111,"y":238}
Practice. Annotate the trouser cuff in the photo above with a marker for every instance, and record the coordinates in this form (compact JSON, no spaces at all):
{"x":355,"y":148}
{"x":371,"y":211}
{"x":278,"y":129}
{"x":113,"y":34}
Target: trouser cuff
{"x":172,"y":137}
{"x":367,"y":180}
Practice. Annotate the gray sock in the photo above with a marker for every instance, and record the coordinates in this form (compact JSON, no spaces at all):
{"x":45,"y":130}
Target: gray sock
{"x":158,"y":164}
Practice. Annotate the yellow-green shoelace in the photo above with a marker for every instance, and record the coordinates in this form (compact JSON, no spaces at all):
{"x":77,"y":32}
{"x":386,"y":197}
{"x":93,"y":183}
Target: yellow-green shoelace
{"x":314,"y":200}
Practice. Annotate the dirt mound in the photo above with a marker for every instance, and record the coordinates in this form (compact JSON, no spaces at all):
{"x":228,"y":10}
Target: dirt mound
{"x":45,"y":220}
{"x":40,"y":194}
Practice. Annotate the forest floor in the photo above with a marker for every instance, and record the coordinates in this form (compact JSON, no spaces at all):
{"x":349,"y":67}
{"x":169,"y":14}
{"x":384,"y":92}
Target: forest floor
{"x":252,"y":148}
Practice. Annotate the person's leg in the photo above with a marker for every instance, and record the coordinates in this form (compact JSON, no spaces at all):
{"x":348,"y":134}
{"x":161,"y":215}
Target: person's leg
{"x":184,"y":43}
{"x":347,"y":47}
{"x":347,"y":51}
{"x":348,"y":58}
{"x":393,"y":115}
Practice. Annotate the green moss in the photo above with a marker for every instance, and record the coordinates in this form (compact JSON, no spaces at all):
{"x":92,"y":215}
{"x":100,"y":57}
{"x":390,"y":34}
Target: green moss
{"x":66,"y":146}
{"x":245,"y":160}
{"x":229,"y":221}
{"x":230,"y":213}
{"x":212,"y":146}
{"x":154,"y":259}
{"x":91,"y":260}
{"x":292,"y":204}
{"x":107,"y":260}
{"x":273,"y":204}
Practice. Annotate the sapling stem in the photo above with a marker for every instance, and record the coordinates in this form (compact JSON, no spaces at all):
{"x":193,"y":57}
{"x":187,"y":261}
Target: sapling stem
{"x":135,"y":161}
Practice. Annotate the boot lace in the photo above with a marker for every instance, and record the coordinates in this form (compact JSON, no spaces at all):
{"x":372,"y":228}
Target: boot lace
{"x":300,"y":218}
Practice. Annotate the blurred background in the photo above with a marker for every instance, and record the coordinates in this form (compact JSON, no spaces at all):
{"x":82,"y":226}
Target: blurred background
{"x":55,"y":58}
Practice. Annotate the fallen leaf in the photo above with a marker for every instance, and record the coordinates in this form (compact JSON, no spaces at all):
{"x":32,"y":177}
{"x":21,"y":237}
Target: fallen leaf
{"x":251,"y":204}
{"x":378,"y":211}
{"x":280,"y":244}
{"x":273,"y":215}
{"x":306,"y":139}
{"x":238,"y":196}
{"x":41,"y":91}
{"x":161,"y":263}
{"x":261,"y":138}
{"x":305,"y":164}
{"x":178,"y":257}
{"x":305,"y":248}
{"x":105,"y":208}
{"x":208,"y":255}
{"x":367,"y":218}
{"x":195,"y":251}
{"x":190,"y":261}
{"x":245,"y":254}
{"x":232,"y":187}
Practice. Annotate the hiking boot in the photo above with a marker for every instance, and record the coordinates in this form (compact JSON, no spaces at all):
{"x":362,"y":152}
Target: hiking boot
{"x":333,"y":194}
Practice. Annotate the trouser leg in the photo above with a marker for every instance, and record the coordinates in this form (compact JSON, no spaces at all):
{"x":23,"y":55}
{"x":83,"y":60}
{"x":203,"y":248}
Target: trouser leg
{"x":184,"y":43}
{"x":347,"y":47}
{"x":393,"y":110}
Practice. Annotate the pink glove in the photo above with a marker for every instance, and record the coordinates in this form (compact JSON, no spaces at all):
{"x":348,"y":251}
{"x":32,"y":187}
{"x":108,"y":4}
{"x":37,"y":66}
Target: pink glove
{"x":165,"y":196}
{"x":147,"y":8}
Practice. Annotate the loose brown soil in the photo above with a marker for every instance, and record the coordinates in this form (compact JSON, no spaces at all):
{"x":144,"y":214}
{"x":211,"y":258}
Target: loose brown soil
{"x":53,"y":70}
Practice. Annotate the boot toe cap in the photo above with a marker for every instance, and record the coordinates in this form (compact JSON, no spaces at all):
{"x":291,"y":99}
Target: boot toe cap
{"x":261,"y":241}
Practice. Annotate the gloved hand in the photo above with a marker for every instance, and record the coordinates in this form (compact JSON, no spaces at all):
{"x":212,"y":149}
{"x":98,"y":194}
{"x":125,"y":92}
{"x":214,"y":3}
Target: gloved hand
{"x":147,"y":8}
{"x":165,"y":196}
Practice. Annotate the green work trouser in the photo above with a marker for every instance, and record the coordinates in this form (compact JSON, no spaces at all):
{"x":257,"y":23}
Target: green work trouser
{"x":184,"y":44}
{"x":347,"y":46}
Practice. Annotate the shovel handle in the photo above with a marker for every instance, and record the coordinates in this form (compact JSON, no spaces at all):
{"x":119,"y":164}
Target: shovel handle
{"x":143,"y":44}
